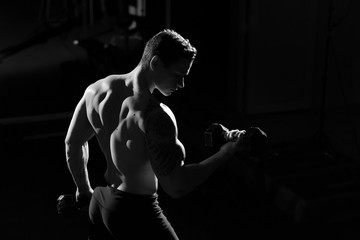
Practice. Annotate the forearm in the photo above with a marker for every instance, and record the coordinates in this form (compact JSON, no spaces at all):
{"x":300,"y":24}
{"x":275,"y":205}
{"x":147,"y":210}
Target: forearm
{"x":77,"y":159}
{"x":190,"y":176}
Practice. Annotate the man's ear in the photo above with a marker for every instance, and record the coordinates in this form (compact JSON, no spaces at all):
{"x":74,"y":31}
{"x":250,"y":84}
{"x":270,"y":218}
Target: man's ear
{"x":154,"y":62}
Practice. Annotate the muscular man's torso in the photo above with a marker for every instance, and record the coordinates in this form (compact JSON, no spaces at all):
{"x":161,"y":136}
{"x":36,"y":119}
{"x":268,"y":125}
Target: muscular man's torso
{"x":116,"y":113}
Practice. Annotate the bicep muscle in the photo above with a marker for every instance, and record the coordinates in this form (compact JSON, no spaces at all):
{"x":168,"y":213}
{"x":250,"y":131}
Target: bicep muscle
{"x":166,"y":151}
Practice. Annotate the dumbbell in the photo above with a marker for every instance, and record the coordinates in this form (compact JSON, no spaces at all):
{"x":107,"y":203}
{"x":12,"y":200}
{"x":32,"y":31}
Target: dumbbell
{"x":255,"y":142}
{"x":68,"y":206}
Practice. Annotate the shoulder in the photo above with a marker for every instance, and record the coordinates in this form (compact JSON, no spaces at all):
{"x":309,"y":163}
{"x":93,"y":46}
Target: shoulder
{"x":103,"y":99}
{"x":160,"y":122}
{"x":107,"y":90}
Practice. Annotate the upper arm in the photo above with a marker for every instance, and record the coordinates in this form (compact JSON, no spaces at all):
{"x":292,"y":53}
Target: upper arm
{"x":166,"y":151}
{"x":80,"y":129}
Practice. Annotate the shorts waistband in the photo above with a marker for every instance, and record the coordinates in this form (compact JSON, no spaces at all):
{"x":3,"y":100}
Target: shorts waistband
{"x":133,"y":195}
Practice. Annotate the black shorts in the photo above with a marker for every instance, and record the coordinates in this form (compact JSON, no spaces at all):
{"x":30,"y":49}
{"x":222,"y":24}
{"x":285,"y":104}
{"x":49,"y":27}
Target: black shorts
{"x":115,"y":214}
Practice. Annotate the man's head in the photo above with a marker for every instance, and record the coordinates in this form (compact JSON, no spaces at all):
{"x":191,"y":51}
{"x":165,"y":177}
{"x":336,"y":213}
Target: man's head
{"x":169,"y":46}
{"x":169,"y":56}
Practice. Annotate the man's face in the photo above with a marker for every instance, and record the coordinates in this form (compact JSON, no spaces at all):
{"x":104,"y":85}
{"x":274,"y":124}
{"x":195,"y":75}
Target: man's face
{"x":171,"y":78}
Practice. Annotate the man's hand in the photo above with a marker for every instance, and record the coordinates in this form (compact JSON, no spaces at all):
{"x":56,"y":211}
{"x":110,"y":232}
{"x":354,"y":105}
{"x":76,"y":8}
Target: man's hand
{"x":234,"y":142}
{"x":83,"y":197}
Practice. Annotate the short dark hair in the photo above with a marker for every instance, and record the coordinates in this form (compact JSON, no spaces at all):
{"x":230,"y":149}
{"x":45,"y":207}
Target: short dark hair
{"x":169,"y":46}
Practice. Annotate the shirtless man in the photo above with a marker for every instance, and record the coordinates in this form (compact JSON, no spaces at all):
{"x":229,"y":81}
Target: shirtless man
{"x":138,"y":136}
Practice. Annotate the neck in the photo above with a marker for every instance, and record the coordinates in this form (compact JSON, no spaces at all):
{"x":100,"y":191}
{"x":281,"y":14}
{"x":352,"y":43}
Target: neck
{"x":141,"y":83}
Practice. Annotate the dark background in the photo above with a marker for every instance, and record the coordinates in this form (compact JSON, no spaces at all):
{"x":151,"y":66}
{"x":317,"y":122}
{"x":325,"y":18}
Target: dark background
{"x":290,"y":67}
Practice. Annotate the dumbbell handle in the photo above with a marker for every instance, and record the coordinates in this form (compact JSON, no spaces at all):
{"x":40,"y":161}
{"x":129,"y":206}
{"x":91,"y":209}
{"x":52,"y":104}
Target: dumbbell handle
{"x":216,"y":134}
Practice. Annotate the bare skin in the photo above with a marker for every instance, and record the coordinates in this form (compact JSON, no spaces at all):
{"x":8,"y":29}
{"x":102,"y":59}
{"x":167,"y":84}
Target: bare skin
{"x":137,"y":134}
{"x":109,"y":110}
